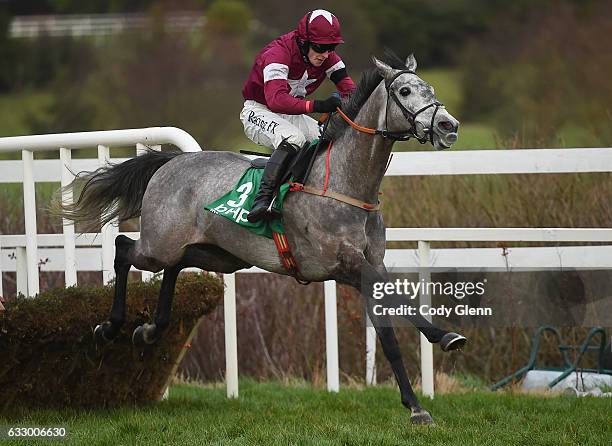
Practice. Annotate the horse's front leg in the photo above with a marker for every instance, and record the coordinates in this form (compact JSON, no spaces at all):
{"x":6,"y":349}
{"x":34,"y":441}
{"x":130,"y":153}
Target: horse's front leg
{"x":363,"y":279}
{"x":393,"y":354}
{"x":374,"y":256}
{"x":448,"y":340}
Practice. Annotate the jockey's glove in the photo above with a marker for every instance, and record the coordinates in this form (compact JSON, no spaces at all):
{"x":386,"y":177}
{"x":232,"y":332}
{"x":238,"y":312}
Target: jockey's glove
{"x":326,"y":106}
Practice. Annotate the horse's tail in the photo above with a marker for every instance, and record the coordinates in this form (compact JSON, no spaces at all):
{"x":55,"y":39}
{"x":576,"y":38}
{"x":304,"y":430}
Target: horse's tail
{"x":113,"y":191}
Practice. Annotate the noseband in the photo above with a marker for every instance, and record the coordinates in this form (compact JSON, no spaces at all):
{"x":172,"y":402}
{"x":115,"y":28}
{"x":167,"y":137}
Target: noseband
{"x":410,"y":116}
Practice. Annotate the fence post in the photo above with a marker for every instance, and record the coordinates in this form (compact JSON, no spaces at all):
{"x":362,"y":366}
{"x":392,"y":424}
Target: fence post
{"x":231,"y":337}
{"x":331,"y":336}
{"x":109,"y":230}
{"x":29,"y":212}
{"x":370,"y":334}
{"x":145,"y":276}
{"x":70,"y":270}
{"x":21,"y":270}
{"x":427,"y":375}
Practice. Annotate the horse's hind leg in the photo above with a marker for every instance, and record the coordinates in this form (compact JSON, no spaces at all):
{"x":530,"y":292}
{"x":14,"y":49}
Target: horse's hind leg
{"x":123,"y":254}
{"x":150,"y":333}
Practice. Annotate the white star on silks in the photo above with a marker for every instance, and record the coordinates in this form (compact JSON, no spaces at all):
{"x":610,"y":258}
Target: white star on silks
{"x":317,"y":12}
{"x":298,"y":86}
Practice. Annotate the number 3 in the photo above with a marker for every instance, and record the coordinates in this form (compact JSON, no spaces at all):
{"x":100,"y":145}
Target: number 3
{"x":246,"y":188}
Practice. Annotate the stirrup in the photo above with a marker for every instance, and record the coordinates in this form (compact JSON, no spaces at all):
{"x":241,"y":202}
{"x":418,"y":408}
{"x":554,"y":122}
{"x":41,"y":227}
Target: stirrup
{"x":274,"y":213}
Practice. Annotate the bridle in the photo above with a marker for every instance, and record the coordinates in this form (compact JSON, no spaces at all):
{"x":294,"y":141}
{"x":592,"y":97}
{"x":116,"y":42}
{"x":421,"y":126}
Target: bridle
{"x":411,"y":117}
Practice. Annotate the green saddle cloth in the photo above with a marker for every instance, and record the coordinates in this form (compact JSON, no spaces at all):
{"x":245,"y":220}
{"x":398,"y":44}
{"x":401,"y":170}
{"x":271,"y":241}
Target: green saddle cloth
{"x":236,"y":204}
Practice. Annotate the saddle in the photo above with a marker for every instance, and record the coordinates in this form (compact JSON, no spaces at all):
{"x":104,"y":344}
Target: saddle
{"x":299,"y":167}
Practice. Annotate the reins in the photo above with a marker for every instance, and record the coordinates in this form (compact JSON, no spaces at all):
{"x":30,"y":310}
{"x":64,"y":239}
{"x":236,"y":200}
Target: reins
{"x":356,"y":126}
{"x":395,"y":136}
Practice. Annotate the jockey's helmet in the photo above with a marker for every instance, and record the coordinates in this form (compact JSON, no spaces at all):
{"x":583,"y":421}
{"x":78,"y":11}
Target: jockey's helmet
{"x":320,"y":27}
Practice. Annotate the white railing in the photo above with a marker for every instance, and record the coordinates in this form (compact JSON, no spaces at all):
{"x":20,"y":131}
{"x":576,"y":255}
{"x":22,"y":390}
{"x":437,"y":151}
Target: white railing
{"x":57,"y":247}
{"x":81,"y":25}
{"x":65,"y":143}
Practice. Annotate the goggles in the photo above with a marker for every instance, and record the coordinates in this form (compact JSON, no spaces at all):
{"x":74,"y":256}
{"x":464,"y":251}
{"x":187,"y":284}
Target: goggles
{"x":323,"y":47}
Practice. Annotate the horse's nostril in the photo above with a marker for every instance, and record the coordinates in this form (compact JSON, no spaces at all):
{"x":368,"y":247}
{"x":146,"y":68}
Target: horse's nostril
{"x":447,"y":126}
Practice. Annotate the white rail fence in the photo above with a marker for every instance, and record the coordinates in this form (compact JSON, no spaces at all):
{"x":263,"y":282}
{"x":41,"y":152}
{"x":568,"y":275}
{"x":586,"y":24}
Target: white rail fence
{"x":87,"y":25}
{"x":90,"y":252}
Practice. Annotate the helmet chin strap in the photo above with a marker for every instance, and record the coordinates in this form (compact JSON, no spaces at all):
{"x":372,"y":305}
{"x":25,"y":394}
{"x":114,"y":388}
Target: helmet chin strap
{"x":304,"y":45}
{"x":307,"y":21}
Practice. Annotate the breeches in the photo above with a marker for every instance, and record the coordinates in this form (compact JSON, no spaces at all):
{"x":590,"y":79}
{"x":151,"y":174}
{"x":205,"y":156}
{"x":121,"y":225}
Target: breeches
{"x":266,"y":128}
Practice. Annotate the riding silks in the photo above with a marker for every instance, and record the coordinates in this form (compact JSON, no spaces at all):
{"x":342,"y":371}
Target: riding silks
{"x":236,"y":204}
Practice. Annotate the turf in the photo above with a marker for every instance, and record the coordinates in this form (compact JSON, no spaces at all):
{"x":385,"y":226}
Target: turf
{"x":273,"y":413}
{"x":16,"y":109}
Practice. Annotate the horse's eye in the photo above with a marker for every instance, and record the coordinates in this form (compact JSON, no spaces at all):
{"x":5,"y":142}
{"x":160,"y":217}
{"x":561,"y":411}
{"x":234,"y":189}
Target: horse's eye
{"x":404,"y":91}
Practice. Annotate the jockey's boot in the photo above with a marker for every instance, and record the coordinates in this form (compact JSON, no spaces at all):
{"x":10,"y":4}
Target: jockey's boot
{"x":271,"y":176}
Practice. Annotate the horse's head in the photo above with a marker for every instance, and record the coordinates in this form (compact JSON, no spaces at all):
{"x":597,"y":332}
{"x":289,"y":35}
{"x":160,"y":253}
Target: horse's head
{"x":412,"y":108}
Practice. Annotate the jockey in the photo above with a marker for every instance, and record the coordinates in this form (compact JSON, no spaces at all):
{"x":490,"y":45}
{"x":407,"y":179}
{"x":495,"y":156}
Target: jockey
{"x":284,"y":73}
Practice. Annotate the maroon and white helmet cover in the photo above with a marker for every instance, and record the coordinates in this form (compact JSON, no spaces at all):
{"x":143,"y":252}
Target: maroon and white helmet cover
{"x":320,"y":26}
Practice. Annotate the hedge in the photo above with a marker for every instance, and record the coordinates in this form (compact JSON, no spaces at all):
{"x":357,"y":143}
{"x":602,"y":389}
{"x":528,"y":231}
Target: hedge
{"x":49,"y":358}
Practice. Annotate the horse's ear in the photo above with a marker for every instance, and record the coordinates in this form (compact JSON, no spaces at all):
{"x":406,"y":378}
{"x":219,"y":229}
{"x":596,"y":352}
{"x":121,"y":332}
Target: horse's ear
{"x":384,"y":69}
{"x":411,"y":63}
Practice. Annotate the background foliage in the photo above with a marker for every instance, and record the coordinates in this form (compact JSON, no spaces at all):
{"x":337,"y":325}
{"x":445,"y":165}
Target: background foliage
{"x":532,"y":70}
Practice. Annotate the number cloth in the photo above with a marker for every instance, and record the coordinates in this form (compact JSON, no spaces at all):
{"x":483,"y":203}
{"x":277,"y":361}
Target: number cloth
{"x":236,"y":204}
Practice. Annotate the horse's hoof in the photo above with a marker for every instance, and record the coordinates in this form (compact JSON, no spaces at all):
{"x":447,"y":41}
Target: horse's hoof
{"x":142,"y":335}
{"x":100,"y":333}
{"x":421,"y":417}
{"x":452,"y":341}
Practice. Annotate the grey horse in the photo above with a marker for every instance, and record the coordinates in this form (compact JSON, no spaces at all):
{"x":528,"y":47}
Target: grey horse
{"x":330,"y":239}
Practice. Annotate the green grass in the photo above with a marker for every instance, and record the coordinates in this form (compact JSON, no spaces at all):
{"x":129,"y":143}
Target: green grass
{"x":471,"y":136}
{"x":447,"y":85}
{"x":272,"y":413}
{"x":475,"y":136}
{"x":16,"y":107}
{"x":15,"y":111}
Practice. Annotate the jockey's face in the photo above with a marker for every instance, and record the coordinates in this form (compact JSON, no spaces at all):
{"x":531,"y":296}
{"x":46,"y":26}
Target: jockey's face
{"x":317,"y":59}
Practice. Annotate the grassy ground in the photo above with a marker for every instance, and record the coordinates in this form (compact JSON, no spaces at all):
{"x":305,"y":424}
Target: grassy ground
{"x":15,"y":108}
{"x":272,"y":413}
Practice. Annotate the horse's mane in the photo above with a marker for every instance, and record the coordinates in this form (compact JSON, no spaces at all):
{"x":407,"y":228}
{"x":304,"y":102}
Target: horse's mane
{"x":370,"y":79}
